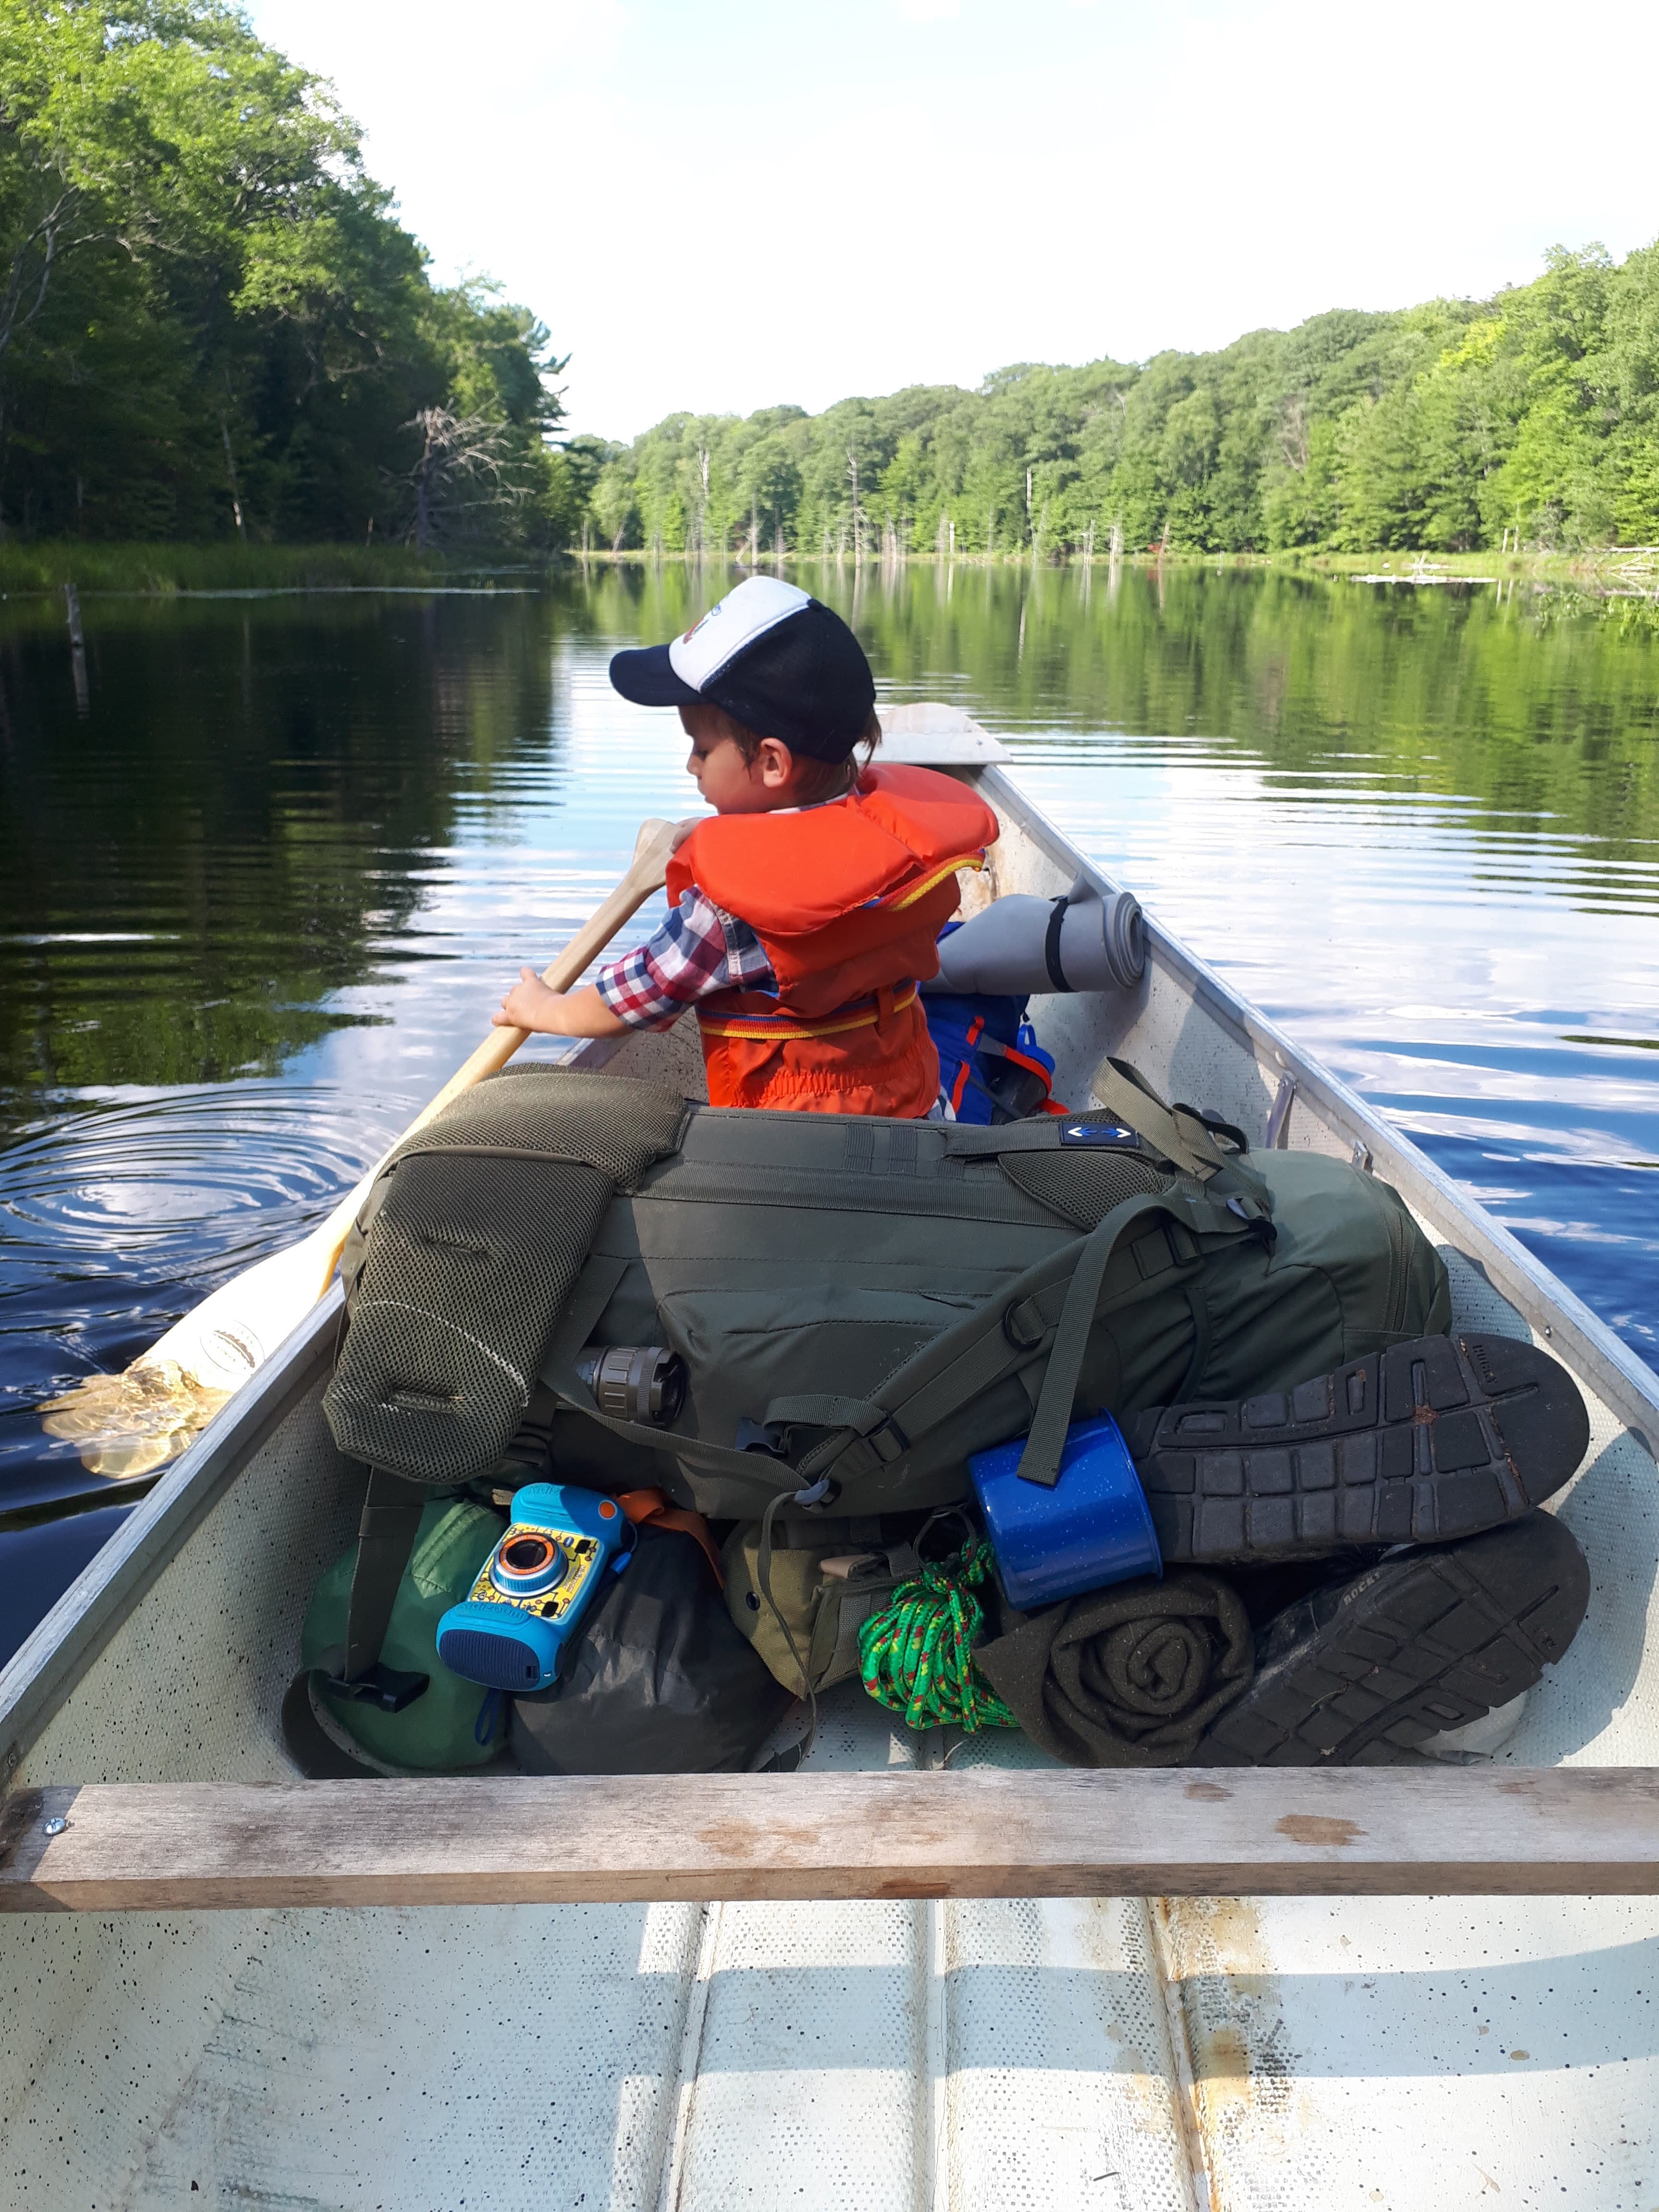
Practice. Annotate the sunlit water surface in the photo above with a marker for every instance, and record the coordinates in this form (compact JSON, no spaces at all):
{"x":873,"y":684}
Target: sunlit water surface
{"x":260,"y":898}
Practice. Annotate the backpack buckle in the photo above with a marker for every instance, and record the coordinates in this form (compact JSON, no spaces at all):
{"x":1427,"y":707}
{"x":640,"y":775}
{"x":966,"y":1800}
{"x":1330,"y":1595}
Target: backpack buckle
{"x":1255,"y":1218}
{"x":1025,"y":1325}
{"x":766,"y":1437}
{"x":889,"y":1442}
{"x":385,"y":1687}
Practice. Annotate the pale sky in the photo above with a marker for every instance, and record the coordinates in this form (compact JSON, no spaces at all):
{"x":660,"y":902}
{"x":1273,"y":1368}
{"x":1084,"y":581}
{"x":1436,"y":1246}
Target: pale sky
{"x":722,"y":204}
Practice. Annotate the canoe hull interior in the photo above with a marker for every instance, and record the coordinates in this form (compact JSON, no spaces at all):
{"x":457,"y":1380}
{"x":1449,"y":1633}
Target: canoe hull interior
{"x":1109,"y":2053}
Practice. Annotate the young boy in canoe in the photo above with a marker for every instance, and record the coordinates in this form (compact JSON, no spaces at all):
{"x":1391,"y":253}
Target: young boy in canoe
{"x":803,"y":915}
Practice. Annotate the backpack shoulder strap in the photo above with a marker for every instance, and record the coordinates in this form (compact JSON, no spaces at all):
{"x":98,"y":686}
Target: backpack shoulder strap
{"x":386,"y":1542}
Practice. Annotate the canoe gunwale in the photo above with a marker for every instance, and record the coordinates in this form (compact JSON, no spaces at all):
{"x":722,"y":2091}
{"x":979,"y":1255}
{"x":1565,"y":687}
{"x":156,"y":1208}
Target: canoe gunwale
{"x":47,"y":1666}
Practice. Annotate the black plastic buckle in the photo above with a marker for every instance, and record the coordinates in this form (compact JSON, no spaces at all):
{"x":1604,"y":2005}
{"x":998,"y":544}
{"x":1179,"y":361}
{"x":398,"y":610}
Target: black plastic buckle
{"x":762,"y":1437}
{"x":1259,"y":1224}
{"x":1024,"y":1325}
{"x":383,"y":1687}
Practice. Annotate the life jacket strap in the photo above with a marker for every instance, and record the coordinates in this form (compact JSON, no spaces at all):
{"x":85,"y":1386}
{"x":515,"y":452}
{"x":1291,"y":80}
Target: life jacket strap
{"x":856,"y":1014}
{"x":934,"y":878}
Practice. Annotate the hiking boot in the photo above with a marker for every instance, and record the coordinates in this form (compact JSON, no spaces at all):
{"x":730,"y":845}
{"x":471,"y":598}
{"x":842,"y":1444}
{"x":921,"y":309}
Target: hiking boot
{"x":1420,"y":1444}
{"x":1360,"y":1673}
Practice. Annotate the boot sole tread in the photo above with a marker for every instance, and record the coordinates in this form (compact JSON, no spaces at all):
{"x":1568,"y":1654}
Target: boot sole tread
{"x":1418,"y":1644}
{"x":1423,"y":1443}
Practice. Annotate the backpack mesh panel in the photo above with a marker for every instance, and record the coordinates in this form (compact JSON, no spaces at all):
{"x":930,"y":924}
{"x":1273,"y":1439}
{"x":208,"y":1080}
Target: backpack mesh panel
{"x":470,"y":1258}
{"x":1082,"y":1186}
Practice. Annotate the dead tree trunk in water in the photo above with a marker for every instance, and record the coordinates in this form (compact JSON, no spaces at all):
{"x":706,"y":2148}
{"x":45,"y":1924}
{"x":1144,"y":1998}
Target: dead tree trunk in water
{"x":459,"y":451}
{"x":77,"y":649}
{"x":230,"y":471}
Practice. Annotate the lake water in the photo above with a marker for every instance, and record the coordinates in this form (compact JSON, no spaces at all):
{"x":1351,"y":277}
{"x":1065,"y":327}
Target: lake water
{"x":259,"y":898}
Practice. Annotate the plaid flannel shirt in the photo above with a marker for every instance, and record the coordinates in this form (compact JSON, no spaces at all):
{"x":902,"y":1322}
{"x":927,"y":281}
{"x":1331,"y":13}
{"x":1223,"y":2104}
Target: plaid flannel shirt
{"x":699,"y":949}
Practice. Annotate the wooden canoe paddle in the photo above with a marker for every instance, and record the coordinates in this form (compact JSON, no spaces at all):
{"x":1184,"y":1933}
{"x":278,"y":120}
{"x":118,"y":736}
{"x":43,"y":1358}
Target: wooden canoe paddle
{"x":127,"y":1425}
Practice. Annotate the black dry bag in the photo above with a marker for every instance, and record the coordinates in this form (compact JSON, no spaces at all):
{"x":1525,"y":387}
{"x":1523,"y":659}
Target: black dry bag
{"x":658,"y":1680}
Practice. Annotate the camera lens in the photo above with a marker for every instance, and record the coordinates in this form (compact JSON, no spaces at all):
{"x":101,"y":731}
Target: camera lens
{"x":529,"y":1563}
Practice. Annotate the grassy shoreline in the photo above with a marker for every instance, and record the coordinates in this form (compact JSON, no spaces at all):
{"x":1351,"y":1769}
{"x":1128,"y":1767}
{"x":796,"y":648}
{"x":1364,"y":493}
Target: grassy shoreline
{"x":164,"y":569}
{"x":1613,"y":566}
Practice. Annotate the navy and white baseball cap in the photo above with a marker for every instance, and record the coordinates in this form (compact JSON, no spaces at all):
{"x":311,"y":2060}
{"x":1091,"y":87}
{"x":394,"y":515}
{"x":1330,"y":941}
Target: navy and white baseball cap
{"x":779,"y":662}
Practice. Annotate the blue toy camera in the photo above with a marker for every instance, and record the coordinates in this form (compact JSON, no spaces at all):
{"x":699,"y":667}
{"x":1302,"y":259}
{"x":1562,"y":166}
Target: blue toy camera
{"x":534,"y":1588}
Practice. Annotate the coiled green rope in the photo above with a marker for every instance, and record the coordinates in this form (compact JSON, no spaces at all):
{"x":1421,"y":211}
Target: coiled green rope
{"x":916,"y":1656}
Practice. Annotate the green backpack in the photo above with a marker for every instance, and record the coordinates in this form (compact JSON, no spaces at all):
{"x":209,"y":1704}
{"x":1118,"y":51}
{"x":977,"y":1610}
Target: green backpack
{"x":859,"y":1302}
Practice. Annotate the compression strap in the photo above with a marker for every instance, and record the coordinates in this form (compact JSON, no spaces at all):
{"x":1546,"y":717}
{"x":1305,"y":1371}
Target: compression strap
{"x":1051,"y":944}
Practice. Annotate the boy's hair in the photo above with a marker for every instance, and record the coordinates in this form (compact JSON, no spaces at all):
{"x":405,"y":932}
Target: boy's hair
{"x":814,"y":779}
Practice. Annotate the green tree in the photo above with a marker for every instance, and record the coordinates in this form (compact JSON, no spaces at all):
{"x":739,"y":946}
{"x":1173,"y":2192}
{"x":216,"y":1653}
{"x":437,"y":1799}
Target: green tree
{"x":210,"y":320}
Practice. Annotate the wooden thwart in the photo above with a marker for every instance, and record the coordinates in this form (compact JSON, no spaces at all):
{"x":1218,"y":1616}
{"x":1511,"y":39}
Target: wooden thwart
{"x":513,"y":1840}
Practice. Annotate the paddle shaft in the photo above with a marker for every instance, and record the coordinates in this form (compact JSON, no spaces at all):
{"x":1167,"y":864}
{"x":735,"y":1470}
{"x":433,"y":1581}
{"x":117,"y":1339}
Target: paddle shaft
{"x":253,"y":1312}
{"x":656,"y":842}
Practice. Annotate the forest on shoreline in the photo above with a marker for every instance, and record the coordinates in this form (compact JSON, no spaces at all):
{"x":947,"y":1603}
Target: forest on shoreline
{"x":214,"y":330}
{"x":1527,"y":423}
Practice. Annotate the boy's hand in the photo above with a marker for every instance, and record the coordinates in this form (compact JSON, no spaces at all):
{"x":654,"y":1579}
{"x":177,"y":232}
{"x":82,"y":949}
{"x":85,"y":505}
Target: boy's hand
{"x":530,"y":1006}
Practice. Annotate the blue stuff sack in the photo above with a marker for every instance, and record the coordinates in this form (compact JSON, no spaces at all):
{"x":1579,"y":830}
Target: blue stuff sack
{"x":991,"y":1068}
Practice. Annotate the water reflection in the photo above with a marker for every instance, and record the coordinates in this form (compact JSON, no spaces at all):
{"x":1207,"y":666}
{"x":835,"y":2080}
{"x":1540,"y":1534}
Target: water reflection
{"x":240,"y":828}
{"x":256,"y":905}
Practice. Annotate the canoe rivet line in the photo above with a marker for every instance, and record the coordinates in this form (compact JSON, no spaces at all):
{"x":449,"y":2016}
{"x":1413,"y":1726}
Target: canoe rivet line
{"x":55,"y":1826}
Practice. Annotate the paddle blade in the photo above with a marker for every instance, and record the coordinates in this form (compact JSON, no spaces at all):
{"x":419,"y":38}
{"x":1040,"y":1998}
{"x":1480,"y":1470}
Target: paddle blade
{"x":127,"y":1425}
{"x":130,"y":1424}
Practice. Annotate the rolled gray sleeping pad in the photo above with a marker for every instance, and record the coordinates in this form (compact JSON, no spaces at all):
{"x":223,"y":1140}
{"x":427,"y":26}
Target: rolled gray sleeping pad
{"x":1014,"y":947}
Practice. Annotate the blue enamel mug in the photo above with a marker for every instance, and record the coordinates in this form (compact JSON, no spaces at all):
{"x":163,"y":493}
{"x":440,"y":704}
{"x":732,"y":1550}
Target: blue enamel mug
{"x":1092,"y":1527}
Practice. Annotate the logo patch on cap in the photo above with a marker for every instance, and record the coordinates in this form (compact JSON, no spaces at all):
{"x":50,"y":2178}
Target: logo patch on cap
{"x":700,"y":620}
{"x":731,"y":625}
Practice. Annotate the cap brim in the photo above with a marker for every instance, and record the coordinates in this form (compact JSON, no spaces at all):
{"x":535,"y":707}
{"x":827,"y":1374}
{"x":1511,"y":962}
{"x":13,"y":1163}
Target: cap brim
{"x":645,"y":675}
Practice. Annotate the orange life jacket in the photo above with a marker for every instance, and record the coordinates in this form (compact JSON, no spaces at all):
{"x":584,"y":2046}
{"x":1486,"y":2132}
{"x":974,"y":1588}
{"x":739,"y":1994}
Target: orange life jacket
{"x":847,"y":900}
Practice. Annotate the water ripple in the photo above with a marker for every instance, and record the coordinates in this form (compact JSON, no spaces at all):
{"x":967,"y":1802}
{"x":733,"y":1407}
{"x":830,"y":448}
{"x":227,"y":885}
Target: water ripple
{"x":116,"y":1219}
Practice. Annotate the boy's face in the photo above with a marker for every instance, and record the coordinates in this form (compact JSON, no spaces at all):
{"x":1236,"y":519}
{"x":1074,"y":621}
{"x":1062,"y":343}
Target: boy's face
{"x":731,"y":784}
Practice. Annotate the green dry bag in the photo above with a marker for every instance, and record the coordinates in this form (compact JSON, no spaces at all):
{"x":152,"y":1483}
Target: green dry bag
{"x":453,"y":1723}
